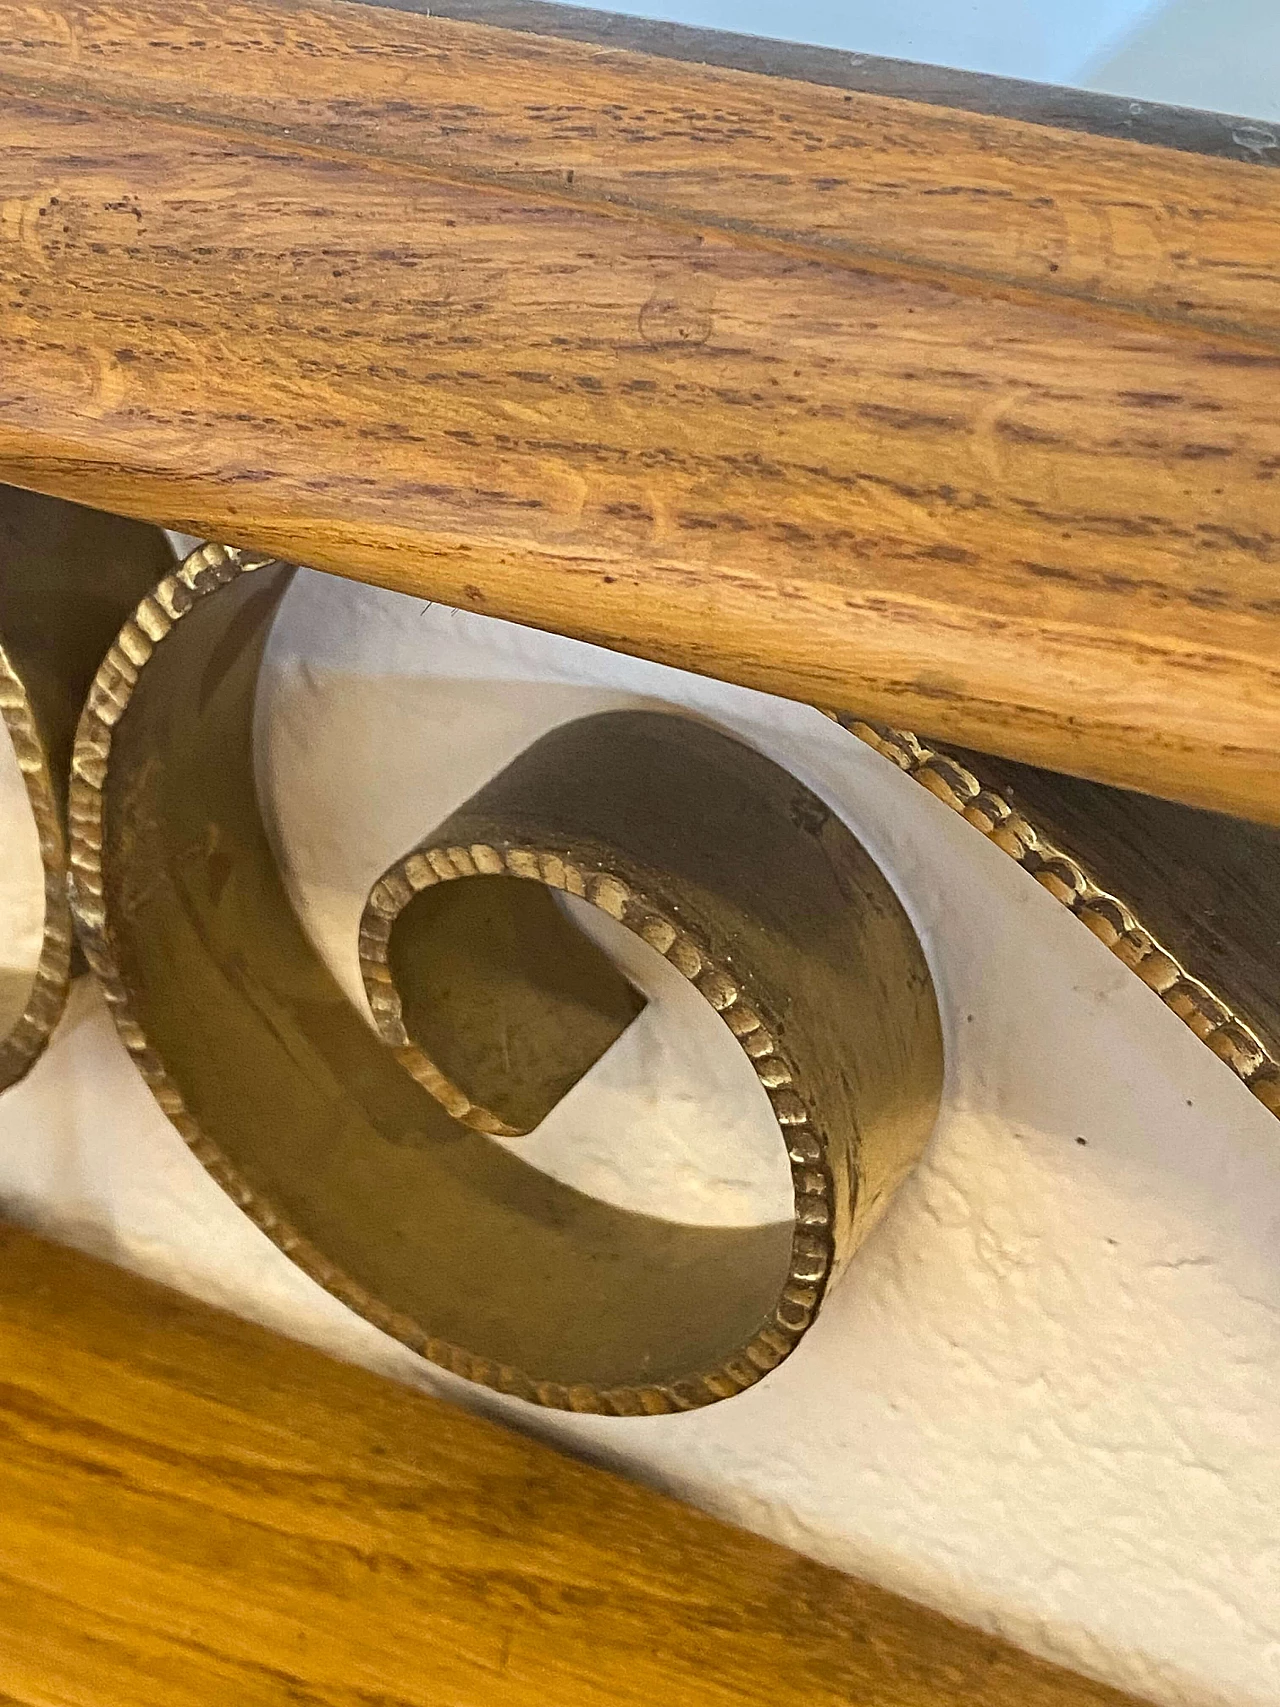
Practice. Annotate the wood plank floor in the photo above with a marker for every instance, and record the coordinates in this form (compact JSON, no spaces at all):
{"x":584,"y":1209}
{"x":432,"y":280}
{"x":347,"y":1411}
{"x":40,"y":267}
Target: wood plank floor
{"x":196,"y":1512}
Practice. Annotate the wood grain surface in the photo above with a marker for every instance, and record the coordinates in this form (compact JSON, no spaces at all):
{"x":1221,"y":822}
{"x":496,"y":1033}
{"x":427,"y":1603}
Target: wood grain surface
{"x":952,"y":192}
{"x":960,"y":422}
{"x":196,"y":1512}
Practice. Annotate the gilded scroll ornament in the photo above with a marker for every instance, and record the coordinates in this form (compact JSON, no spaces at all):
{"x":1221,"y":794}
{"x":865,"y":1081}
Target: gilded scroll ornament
{"x":368,"y":1158}
{"x":368,"y":1153}
{"x":67,"y":577}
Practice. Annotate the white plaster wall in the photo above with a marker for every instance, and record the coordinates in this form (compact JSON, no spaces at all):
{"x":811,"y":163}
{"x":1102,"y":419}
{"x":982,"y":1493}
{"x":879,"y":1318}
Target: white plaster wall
{"x":1045,"y":40}
{"x":1223,"y":55}
{"x":1219,"y":54}
{"x":1044,"y":1398}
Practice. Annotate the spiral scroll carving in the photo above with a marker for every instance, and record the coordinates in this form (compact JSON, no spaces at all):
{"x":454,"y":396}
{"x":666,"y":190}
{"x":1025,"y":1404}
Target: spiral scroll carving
{"x":361,"y":1157}
{"x":367,"y":1154}
{"x":67,"y":577}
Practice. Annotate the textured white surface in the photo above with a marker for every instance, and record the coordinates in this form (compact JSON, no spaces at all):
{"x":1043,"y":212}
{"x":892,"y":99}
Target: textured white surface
{"x":1041,"y":39}
{"x":1219,"y":54}
{"x":1044,"y":1398}
{"x":1222,"y":55}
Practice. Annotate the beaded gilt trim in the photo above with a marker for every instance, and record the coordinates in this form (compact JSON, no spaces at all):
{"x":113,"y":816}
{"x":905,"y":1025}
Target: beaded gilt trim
{"x":205,"y":572}
{"x":1212,"y":1021}
{"x":812,"y":1244}
{"x":47,"y":995}
{"x":212,"y":567}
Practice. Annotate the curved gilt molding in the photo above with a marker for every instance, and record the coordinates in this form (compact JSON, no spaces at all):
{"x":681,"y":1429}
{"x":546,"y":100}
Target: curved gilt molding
{"x":46,"y":997}
{"x":398,"y":1201}
{"x":67,"y":575}
{"x":1208,"y":1015}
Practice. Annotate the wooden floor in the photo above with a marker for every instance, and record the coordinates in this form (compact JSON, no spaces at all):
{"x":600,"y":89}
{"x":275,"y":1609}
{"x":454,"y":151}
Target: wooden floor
{"x":194,"y":1513}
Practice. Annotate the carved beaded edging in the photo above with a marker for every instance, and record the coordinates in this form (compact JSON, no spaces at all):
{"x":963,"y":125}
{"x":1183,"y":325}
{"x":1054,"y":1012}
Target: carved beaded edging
{"x":1212,"y":1021}
{"x":812,"y":1247}
{"x":47,"y":996}
{"x":204,"y":572}
{"x":212,"y":567}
